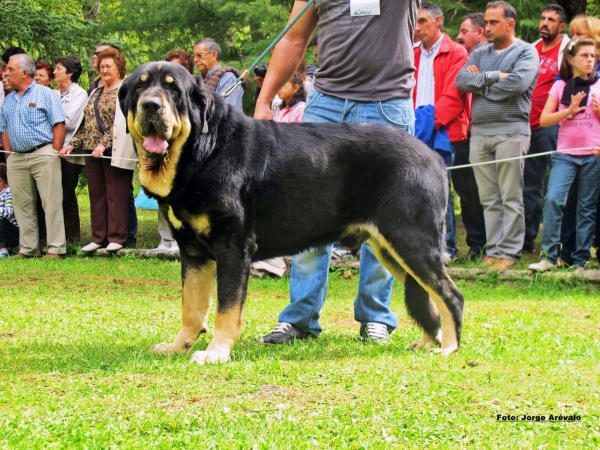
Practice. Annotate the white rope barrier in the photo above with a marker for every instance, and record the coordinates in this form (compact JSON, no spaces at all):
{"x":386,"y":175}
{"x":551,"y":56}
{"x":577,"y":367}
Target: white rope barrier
{"x":464,"y":166}
{"x":85,"y":155}
{"x":496,"y":161}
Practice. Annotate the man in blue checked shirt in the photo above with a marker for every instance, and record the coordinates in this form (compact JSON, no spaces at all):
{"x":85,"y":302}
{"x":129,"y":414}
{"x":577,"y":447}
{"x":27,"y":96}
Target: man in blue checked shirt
{"x":32,"y":124}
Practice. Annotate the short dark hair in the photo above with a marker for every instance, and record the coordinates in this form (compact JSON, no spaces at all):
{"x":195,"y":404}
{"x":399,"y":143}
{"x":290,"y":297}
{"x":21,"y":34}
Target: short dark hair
{"x":3,"y":175}
{"x":108,"y":44}
{"x":184,"y":57}
{"x":117,"y":57}
{"x":11,"y":51}
{"x":42,"y":64}
{"x":72,"y":65}
{"x":477,"y":20}
{"x":562,"y":15}
{"x":434,"y":11}
{"x":509,"y":10}
{"x":211,"y":45}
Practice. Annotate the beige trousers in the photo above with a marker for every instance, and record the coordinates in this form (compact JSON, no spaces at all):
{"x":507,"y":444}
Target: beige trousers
{"x":29,"y":173}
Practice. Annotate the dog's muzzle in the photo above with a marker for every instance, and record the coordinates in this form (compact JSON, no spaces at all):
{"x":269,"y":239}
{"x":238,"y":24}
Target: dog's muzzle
{"x":156,"y":133}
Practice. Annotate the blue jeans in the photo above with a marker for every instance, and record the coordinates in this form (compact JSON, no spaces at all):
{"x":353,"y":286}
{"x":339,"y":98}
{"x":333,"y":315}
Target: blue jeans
{"x":310,"y":269}
{"x":565,"y":169}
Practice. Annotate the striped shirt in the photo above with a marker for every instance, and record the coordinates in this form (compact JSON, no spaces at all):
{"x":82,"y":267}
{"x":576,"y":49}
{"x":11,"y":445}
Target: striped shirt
{"x":29,"y":118}
{"x":426,"y":81}
{"x":501,"y":106}
{"x":6,"y":206}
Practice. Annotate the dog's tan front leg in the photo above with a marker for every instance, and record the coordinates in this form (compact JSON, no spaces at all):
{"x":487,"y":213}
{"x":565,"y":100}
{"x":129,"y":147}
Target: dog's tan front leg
{"x":228,"y":327}
{"x":198,"y":283}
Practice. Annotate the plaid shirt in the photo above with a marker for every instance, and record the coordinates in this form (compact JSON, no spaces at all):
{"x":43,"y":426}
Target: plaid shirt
{"x":29,"y":119}
{"x":6,"y":206}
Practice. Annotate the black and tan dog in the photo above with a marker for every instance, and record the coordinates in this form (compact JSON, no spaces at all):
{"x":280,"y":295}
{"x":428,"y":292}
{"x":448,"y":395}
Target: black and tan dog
{"x":235,"y":190}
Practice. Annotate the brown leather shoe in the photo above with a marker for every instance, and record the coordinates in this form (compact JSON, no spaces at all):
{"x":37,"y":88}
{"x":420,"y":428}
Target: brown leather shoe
{"x":24,"y":256}
{"x":54,"y":256}
{"x":502,"y":264}
{"x":488,"y":261}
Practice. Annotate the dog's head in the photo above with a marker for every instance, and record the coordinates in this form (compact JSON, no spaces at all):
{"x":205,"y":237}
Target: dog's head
{"x":164,"y":105}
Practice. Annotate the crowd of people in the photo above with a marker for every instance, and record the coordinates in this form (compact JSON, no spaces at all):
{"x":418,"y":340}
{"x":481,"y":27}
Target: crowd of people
{"x":484,"y":97}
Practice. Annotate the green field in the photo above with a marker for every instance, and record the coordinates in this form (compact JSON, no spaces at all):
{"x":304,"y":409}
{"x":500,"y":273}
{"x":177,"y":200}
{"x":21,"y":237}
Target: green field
{"x":76,"y":371}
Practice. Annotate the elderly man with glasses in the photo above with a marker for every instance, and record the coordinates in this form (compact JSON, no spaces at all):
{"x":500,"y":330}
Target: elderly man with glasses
{"x":207,"y":53}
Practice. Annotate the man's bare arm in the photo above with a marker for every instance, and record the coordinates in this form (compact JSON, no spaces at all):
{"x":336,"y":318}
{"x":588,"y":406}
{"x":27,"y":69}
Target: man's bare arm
{"x":6,"y":144}
{"x":287,"y":55}
{"x":59,"y":136}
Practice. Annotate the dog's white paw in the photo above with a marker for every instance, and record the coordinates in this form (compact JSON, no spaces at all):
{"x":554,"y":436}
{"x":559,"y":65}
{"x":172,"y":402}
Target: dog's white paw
{"x":444,"y":351}
{"x":421,"y":343}
{"x":209,"y":357}
{"x":425,"y":342}
{"x":166,"y":349}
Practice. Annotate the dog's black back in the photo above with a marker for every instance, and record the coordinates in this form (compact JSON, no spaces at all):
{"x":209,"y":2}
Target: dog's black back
{"x":260,"y":189}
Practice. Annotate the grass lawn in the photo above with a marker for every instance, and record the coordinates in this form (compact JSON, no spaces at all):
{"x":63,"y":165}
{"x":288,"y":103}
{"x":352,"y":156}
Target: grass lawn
{"x":76,"y":371}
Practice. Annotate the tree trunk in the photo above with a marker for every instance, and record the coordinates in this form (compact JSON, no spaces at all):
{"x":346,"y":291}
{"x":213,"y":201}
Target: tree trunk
{"x":91,"y":11}
{"x":573,"y":7}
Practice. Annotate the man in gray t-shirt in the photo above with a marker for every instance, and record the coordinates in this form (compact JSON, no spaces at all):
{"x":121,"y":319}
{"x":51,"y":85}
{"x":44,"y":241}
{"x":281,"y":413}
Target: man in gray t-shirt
{"x":365,"y":76}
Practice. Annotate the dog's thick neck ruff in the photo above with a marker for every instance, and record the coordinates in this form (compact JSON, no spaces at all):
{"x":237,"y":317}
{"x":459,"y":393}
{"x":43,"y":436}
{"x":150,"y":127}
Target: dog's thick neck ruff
{"x":158,"y":169}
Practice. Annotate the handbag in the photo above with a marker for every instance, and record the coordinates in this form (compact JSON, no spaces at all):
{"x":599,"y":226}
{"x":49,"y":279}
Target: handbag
{"x":142,"y":201}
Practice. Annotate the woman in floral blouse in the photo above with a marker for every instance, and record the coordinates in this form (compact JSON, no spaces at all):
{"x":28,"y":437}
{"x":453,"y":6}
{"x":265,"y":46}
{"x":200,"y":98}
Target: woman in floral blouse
{"x":110,"y":169}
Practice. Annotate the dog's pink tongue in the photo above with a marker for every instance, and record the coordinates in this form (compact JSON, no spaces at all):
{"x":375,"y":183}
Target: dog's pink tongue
{"x":155,"y":144}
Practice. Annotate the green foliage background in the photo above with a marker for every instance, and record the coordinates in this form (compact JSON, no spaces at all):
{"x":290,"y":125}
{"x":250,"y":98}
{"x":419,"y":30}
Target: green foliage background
{"x":147,"y":30}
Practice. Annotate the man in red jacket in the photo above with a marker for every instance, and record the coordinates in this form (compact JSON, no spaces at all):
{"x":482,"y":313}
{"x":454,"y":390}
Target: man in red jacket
{"x":438,"y":60}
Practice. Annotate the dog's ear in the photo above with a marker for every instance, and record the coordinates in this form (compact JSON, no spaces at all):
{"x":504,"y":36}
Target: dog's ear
{"x":202,"y":99}
{"x":123,"y":98}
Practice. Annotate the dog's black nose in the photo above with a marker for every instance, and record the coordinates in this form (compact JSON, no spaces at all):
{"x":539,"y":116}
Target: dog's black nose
{"x":151,"y":105}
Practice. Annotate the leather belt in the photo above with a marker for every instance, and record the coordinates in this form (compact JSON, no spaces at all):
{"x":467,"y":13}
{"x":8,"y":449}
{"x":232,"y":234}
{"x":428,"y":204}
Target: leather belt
{"x":37,"y":147}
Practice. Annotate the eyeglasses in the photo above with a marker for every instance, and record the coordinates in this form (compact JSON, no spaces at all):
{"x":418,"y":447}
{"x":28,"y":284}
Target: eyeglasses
{"x":201,"y":55}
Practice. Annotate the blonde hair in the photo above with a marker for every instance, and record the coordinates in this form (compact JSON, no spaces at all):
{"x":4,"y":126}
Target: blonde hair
{"x":588,"y":26}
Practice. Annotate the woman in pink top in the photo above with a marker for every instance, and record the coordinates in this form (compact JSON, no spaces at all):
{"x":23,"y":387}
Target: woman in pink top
{"x":293,"y":96}
{"x":574,"y":102}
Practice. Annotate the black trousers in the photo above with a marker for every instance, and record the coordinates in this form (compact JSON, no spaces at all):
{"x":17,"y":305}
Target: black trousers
{"x":9,"y":234}
{"x":465,"y":186}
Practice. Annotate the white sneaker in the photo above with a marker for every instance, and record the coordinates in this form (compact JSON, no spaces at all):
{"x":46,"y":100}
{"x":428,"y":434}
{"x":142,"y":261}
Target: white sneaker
{"x":113,"y":247}
{"x":3,"y":252}
{"x":542,"y":266}
{"x":91,"y":247}
{"x":162,"y":248}
{"x":174,"y":248}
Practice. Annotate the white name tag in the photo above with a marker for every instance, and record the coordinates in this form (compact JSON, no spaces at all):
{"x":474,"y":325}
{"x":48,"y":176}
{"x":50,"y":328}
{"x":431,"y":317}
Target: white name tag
{"x":364,"y":8}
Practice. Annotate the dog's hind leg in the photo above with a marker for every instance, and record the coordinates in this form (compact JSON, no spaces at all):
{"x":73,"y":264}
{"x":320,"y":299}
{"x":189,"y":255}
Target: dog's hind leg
{"x":424,"y":312}
{"x":421,"y":309}
{"x":430,"y":272}
{"x":198,"y":276}
{"x":233,"y":269}
{"x":422,"y":260}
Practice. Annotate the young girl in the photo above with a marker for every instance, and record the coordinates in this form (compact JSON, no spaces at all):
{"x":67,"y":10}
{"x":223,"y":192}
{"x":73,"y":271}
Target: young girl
{"x":574,"y":104}
{"x":292,"y":96}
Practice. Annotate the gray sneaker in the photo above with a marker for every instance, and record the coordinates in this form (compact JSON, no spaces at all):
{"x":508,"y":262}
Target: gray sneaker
{"x":375,"y":333}
{"x":285,"y":333}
